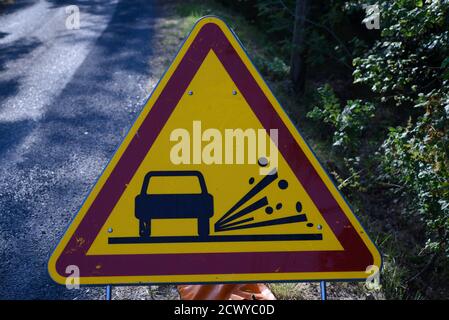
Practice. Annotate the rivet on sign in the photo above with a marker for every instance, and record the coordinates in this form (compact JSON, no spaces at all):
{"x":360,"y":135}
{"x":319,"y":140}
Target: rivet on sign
{"x":263,"y":162}
{"x":319,"y":227}
{"x":234,"y":92}
{"x":190,"y":93}
{"x":110,"y":230}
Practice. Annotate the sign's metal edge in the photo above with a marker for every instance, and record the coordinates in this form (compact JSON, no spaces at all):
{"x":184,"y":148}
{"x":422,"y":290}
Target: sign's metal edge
{"x":70,"y":225}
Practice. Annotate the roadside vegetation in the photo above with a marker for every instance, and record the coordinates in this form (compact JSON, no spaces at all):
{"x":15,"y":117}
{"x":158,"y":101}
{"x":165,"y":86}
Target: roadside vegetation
{"x":374,"y":105}
{"x":4,"y":3}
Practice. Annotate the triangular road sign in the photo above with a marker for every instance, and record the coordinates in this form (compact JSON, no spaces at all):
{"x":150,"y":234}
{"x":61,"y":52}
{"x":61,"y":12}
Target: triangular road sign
{"x":175,"y":205}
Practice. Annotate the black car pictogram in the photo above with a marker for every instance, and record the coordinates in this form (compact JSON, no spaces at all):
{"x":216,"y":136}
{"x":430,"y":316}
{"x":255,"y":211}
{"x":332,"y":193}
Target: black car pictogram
{"x":172,"y":206}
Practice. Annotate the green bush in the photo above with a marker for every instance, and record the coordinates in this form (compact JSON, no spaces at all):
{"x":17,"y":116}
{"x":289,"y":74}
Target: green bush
{"x":417,"y":157}
{"x":407,"y":68}
{"x":407,"y":60}
{"x":407,"y":72}
{"x":348,"y":122}
{"x":328,"y":108}
{"x":275,"y":69}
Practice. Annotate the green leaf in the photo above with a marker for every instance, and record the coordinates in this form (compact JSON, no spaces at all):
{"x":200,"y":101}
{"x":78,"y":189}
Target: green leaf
{"x":445,"y":63}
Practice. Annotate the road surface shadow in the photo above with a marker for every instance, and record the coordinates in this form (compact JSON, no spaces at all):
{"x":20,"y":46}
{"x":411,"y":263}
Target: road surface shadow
{"x":16,"y":5}
{"x":13,"y":132}
{"x":8,"y":88}
{"x":74,"y":140}
{"x":97,"y":7}
{"x":10,"y":53}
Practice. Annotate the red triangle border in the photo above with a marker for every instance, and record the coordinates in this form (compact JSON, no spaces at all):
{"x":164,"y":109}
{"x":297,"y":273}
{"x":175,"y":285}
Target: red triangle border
{"x":355,"y":257}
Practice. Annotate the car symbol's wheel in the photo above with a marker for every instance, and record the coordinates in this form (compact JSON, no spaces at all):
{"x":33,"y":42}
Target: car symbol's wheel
{"x":144,"y":228}
{"x":203,"y":227}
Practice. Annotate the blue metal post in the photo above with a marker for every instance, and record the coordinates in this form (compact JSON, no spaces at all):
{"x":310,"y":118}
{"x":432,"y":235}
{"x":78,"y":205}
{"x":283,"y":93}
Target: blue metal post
{"x":323,"y":290}
{"x":108,"y":292}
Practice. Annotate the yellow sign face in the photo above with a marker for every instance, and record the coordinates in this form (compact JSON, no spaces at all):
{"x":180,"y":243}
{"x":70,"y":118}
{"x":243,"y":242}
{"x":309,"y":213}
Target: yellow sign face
{"x":213,"y":184}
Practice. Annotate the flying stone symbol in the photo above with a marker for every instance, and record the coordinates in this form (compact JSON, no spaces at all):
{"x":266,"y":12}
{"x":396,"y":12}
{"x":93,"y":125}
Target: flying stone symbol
{"x":231,"y":219}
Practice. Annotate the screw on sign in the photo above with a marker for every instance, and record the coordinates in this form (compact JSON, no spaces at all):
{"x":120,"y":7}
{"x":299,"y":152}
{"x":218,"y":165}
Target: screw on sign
{"x":148,"y":219}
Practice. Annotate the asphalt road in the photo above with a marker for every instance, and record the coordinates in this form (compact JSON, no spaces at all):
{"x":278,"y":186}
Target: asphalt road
{"x":66,"y":99}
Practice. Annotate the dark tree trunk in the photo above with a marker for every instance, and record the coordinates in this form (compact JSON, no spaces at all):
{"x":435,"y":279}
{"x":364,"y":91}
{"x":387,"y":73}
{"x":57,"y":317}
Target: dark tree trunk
{"x":297,"y":63}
